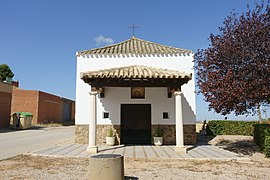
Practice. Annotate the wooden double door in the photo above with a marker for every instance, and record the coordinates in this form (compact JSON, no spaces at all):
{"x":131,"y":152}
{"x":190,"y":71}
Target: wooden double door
{"x":135,"y":123}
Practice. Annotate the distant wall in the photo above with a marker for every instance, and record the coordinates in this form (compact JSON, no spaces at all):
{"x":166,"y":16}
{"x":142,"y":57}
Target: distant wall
{"x":67,"y":110}
{"x":45,"y":107}
{"x":4,"y":87}
{"x":5,"y":107}
{"x":49,"y":108}
{"x":27,"y":101}
{"x":5,"y":104}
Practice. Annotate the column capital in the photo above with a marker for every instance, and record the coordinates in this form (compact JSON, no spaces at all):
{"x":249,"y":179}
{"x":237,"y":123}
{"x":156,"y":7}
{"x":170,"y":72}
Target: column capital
{"x":176,"y":93}
{"x":93,"y":93}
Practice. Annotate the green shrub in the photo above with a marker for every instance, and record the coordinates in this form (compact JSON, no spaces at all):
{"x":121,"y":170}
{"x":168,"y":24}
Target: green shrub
{"x":227,"y":127}
{"x":262,"y":137}
{"x":110,"y":133}
{"x":159,"y":131}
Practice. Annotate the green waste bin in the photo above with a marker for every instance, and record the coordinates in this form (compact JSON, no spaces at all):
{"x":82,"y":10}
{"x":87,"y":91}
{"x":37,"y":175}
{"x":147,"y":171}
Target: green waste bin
{"x":22,"y":120}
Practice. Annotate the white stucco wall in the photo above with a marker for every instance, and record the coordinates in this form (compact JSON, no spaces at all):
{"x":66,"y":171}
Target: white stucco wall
{"x":157,"y":97}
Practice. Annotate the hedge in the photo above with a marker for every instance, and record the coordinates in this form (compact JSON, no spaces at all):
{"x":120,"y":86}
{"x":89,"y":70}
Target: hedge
{"x":228,"y":127}
{"x":262,"y":137}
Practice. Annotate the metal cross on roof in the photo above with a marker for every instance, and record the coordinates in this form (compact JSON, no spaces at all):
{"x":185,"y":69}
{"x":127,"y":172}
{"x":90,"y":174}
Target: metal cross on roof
{"x":133,"y":28}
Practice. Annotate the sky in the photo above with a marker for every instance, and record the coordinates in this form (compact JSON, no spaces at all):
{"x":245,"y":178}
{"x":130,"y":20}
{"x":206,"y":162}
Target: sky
{"x":39,"y":39}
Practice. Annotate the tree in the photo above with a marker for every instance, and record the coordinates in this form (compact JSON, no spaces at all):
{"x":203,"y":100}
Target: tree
{"x":233,"y":73}
{"x":5,"y":72}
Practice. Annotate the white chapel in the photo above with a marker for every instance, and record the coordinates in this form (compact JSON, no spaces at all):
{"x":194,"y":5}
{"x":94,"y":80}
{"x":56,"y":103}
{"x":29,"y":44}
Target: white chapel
{"x":133,"y":87}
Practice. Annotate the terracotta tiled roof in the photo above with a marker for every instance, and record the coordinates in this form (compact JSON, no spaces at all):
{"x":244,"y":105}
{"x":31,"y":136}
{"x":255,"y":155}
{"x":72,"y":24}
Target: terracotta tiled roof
{"x":135,"y":46}
{"x":135,"y":72}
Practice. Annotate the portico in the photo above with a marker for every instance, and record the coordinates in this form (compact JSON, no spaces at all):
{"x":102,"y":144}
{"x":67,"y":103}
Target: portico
{"x":134,"y":77}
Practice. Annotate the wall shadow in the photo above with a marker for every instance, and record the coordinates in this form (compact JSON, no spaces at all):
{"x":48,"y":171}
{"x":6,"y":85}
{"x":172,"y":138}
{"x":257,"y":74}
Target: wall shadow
{"x":131,"y":178}
{"x":245,"y":147}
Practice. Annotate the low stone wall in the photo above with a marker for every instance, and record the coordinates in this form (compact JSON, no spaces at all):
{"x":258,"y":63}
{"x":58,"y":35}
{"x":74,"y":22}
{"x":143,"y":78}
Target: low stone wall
{"x":169,"y":136}
{"x":190,"y":135}
{"x":102,"y":131}
{"x":81,"y":133}
{"x":169,"y":133}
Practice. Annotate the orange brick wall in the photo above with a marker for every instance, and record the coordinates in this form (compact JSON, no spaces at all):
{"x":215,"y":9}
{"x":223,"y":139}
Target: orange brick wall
{"x":5,"y":107}
{"x":25,"y":100}
{"x":49,"y":108}
{"x":46,"y":108}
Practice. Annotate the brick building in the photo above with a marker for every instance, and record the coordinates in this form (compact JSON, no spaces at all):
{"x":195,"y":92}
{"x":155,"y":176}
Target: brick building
{"x":45,"y":107}
{"x":5,"y":104}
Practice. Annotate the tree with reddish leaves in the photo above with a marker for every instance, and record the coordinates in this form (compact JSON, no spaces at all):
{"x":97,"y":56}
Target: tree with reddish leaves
{"x":233,"y":73}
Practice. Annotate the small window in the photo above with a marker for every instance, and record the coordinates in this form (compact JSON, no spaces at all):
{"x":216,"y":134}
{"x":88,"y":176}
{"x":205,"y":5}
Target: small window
{"x":106,"y":115}
{"x":165,"y":115}
{"x":138,"y":93}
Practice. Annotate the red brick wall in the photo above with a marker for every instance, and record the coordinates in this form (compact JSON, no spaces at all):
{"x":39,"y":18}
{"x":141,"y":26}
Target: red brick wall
{"x":5,"y":107}
{"x":46,"y":108}
{"x":49,"y":108}
{"x":25,"y":100}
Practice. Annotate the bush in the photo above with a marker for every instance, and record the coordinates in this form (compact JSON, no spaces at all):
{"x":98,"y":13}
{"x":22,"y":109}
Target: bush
{"x":262,"y":137}
{"x":159,"y":131}
{"x":226,"y":127}
{"x":110,"y":133}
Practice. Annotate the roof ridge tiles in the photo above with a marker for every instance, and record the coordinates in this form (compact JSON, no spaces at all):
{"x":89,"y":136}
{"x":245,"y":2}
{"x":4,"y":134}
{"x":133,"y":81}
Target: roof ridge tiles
{"x":134,"y":45}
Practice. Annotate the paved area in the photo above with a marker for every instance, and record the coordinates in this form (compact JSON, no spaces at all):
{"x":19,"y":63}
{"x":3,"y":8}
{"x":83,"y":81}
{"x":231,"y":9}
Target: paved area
{"x":14,"y":142}
{"x":203,"y":152}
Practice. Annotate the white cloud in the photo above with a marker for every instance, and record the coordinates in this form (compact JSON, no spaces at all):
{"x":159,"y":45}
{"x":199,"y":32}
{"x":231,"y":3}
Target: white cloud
{"x":101,"y":40}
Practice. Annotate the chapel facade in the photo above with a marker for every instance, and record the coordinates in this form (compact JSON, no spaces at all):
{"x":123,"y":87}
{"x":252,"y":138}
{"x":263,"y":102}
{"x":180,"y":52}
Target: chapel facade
{"x":134,"y":86}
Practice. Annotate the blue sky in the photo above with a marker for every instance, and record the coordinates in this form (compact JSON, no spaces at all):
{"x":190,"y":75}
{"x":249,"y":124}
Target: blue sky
{"x":39,"y":39}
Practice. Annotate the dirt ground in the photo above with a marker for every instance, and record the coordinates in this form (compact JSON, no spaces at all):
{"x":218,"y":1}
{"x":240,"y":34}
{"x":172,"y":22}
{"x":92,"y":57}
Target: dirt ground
{"x":258,"y":167}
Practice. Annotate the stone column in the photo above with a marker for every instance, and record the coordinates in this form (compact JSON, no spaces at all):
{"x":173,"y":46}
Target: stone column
{"x":92,"y":147}
{"x":179,"y":122}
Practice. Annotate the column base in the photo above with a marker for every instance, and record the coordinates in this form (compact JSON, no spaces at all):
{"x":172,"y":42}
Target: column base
{"x":180,"y":149}
{"x":92,"y":149}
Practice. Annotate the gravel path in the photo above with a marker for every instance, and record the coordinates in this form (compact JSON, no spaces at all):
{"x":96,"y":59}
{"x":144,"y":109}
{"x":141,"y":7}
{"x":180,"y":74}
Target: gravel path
{"x":258,"y":168}
{"x":33,"y":167}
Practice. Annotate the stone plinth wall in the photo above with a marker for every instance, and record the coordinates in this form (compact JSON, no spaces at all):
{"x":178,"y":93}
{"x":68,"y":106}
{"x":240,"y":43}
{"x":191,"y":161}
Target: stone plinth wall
{"x":81,"y":133}
{"x":102,"y":131}
{"x":169,"y":134}
{"x":190,"y":135}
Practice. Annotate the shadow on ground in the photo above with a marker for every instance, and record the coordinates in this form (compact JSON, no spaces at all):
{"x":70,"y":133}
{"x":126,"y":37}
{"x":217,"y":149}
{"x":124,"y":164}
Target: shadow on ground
{"x":245,"y":147}
{"x":204,"y":139}
{"x":130,"y":178}
{"x":7,"y":130}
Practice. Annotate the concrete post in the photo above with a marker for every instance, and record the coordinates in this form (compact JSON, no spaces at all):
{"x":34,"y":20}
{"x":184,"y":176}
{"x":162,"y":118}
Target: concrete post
{"x":92,"y":147}
{"x":179,"y":122}
{"x":106,"y":166}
